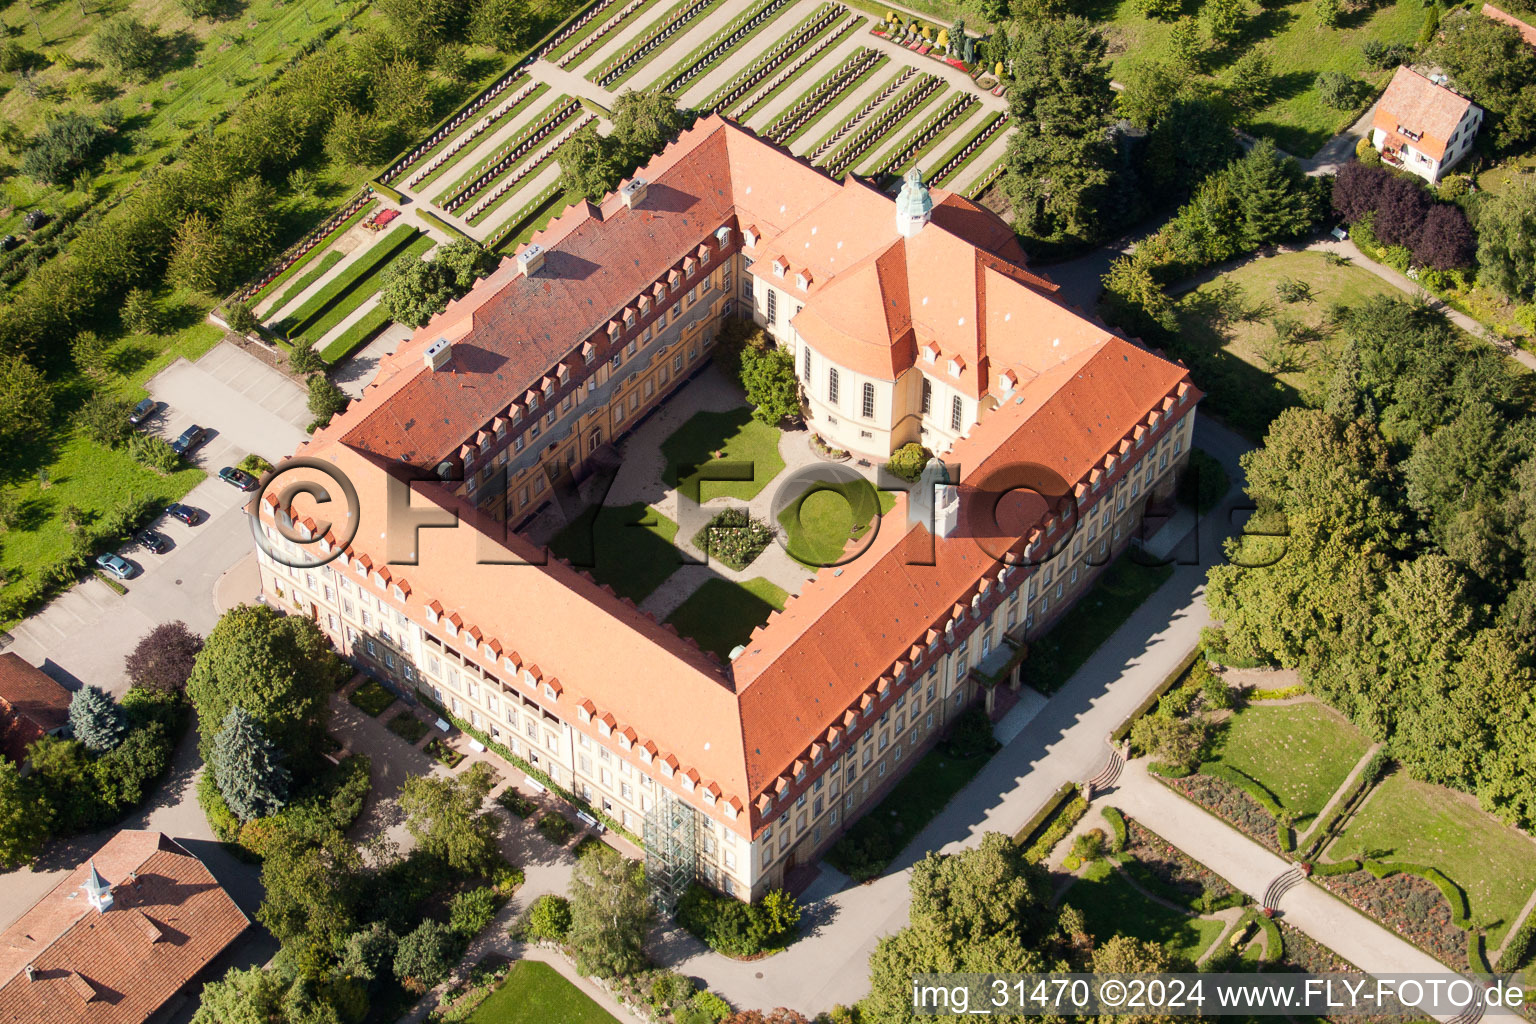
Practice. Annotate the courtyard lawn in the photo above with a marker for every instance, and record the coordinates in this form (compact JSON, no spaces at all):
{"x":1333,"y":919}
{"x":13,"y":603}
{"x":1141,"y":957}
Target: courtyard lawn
{"x":1300,"y":47}
{"x":1301,"y":752}
{"x":629,"y":547}
{"x":1098,"y":613}
{"x":1111,"y":905}
{"x":822,"y":520}
{"x":1425,"y":824}
{"x":1227,"y":332}
{"x":746,"y":448}
{"x":371,"y":697}
{"x":722,"y":614}
{"x":536,"y":993}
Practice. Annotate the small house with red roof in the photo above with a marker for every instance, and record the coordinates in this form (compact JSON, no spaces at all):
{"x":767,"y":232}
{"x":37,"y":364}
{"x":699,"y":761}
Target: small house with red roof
{"x":32,"y":705}
{"x":1423,"y":128}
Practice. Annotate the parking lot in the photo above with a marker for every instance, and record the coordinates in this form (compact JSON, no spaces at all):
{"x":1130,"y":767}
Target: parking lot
{"x":83,"y":635}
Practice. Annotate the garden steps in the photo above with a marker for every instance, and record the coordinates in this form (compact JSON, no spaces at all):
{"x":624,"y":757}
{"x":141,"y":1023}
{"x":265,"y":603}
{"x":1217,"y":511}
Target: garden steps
{"x":1281,"y":884}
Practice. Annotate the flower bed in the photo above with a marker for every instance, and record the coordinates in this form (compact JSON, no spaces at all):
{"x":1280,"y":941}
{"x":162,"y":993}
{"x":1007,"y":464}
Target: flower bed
{"x":839,"y":134}
{"x":734,"y":537}
{"x":873,"y":134}
{"x":1408,"y":904}
{"x":782,"y":80}
{"x":500,"y":193}
{"x":738,"y":87}
{"x":1307,"y":954}
{"x":1231,"y":805}
{"x":443,"y":754}
{"x":1176,"y":875}
{"x":408,"y":727}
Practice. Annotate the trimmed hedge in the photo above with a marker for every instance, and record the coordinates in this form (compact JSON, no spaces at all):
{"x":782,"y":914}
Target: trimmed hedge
{"x":1477,"y":954}
{"x":1343,"y":867}
{"x":1282,"y":693}
{"x":1274,"y":942}
{"x":1169,"y":771}
{"x":1069,"y":815}
{"x":1156,"y":695}
{"x":1285,"y":835}
{"x":1324,"y":830}
{"x":1518,"y":947}
{"x":1116,"y":821}
{"x":1453,"y":893}
{"x":370,"y":261}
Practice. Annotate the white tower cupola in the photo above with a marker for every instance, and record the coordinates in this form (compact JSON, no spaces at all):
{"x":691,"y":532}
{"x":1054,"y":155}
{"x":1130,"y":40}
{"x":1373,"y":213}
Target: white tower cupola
{"x":914,"y":206}
{"x":97,"y":890}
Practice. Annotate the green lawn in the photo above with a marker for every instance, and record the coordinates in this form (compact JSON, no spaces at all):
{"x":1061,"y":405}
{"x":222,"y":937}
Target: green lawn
{"x":362,"y":290}
{"x":536,"y":993}
{"x":822,"y":520}
{"x":1301,"y":752}
{"x":359,"y":270}
{"x":748,"y":448}
{"x":1075,"y":636}
{"x":1424,"y":824}
{"x":371,"y":697}
{"x":629,"y":547}
{"x":1300,"y":47}
{"x":722,"y":614}
{"x":1111,"y":905}
{"x":1227,"y":332}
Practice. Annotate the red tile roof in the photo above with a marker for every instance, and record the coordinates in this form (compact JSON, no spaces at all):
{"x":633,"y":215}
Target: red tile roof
{"x":32,"y":705}
{"x":168,"y":919}
{"x":1077,"y":391}
{"x":1414,"y":104}
{"x":1527,"y":32}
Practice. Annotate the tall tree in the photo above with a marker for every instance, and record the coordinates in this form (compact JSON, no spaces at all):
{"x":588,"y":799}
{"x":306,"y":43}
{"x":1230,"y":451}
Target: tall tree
{"x":414,"y":291}
{"x":198,"y":256}
{"x":980,"y":911}
{"x":445,"y":817}
{"x":611,"y":913}
{"x":280,"y":667}
{"x":1489,"y":61}
{"x":24,"y":817}
{"x":768,"y":376}
{"x":310,"y":889}
{"x":1059,"y":158}
{"x":248,"y":767}
{"x":26,"y":400}
{"x":1274,"y":196}
{"x":96,"y":719}
{"x":1506,"y":239}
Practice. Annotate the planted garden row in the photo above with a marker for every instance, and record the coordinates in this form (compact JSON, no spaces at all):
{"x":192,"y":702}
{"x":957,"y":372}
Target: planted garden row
{"x":777,"y":55}
{"x":872,"y":133}
{"x":801,"y":63}
{"x":601,"y":33}
{"x":827,"y":92}
{"x":448,"y":129}
{"x":523,"y":172}
{"x":342,"y":283}
{"x":958,"y":107}
{"x":473,"y":134}
{"x":574,"y":27}
{"x":868,"y":108}
{"x":514,"y":151}
{"x":647,"y":46}
{"x":723,"y":43}
{"x":981,"y":138}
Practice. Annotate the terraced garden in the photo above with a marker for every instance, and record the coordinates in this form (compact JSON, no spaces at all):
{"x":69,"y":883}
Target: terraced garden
{"x":808,"y":75}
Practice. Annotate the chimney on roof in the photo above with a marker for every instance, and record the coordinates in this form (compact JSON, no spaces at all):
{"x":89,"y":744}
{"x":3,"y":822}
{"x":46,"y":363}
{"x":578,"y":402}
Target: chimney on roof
{"x":914,"y":205}
{"x":98,"y":891}
{"x":633,"y":192}
{"x":531,"y":259}
{"x":437,"y":354}
{"x":31,"y":973}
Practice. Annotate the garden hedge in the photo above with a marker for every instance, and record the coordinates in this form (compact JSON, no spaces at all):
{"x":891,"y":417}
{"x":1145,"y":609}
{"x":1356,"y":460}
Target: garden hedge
{"x":1116,"y":821}
{"x":1477,"y":954}
{"x":1518,"y":947}
{"x":1040,"y":847}
{"x":1156,"y":695}
{"x":1274,"y":942}
{"x":1248,"y":784}
{"x":1343,"y":867}
{"x":1453,"y":893}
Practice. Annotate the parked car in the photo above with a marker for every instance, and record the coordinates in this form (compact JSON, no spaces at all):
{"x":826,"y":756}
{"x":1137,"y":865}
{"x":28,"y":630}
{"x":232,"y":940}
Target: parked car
{"x":1340,"y":233}
{"x":155,"y":542}
{"x":9,"y":242}
{"x":115,"y":564}
{"x":185,"y":513}
{"x":189,"y":440}
{"x":35,"y":219}
{"x":238,"y":477}
{"x":143,"y":411}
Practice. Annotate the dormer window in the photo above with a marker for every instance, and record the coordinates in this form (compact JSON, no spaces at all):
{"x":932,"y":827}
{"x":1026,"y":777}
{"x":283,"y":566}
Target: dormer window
{"x":666,"y":768}
{"x":528,"y":678}
{"x":688,"y":784}
{"x":583,"y":713}
{"x":730,"y":811}
{"x":930,"y":353}
{"x":604,"y":729}
{"x":432,"y":615}
{"x":645,"y":305}
{"x":398,"y":594}
{"x":709,"y":798}
{"x":450,"y":628}
{"x":549,"y":691}
{"x":723,"y":235}
{"x":779,"y":268}
{"x":1010,"y":380}
{"x":629,"y":318}
{"x":749,"y":236}
{"x":802,"y":281}
{"x":645,"y":755}
{"x":956,"y":366}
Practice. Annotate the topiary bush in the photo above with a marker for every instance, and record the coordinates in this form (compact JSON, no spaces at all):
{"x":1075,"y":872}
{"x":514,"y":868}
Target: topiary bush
{"x":469,"y":912}
{"x":908,"y":461}
{"x":549,"y":919}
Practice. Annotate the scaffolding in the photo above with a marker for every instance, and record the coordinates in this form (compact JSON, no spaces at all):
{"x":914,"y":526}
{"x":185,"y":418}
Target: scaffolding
{"x":671,"y":853}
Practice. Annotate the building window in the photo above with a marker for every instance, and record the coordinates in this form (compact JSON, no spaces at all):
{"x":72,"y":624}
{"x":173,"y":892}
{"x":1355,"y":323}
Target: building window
{"x":805,"y":367}
{"x":869,"y":400}
{"x":773,"y":307}
{"x":956,"y":409}
{"x":832,"y":384}
{"x":927,"y":396}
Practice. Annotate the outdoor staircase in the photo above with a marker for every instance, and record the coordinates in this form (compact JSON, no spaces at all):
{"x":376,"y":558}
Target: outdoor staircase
{"x":1109,"y":774}
{"x":1280,"y":885}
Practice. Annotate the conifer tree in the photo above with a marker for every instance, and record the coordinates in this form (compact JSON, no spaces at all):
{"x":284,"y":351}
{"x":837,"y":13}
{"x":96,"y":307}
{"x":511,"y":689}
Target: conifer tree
{"x":96,"y":719}
{"x":248,"y":767}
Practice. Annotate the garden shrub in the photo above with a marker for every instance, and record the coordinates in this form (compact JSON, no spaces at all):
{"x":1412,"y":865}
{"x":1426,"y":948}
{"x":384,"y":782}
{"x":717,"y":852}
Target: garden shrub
{"x":1117,"y":834}
{"x":557,"y":828}
{"x":1518,"y":947}
{"x":971,"y":735}
{"x":908,"y":461}
{"x":734,"y":928}
{"x":1453,"y":893}
{"x":549,"y":918}
{"x":1089,"y":846}
{"x":863,"y":851}
{"x":469,"y":912}
{"x":220,"y":818}
{"x":670,"y":990}
{"x":704,"y":1008}
{"x":1279,"y":693}
{"x":516,"y":802}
